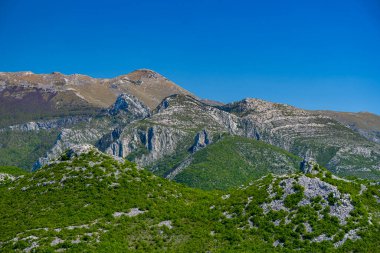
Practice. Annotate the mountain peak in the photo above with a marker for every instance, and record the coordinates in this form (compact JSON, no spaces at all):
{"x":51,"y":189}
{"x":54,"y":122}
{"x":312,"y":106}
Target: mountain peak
{"x":146,"y":85}
{"x":144,"y":74}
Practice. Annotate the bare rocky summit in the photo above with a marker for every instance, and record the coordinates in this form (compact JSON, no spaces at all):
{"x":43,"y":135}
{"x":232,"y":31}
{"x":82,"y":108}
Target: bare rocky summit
{"x":28,"y":96}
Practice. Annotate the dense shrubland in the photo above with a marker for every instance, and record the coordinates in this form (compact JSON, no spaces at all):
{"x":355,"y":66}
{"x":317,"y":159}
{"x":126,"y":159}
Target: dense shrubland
{"x":92,"y":202}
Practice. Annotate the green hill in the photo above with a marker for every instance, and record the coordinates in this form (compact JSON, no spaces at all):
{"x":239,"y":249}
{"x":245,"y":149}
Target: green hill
{"x":91,"y":202}
{"x":233,"y":161}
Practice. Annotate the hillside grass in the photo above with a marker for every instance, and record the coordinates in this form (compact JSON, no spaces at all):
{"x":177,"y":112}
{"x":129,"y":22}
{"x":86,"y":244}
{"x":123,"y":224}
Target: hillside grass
{"x":233,"y":161}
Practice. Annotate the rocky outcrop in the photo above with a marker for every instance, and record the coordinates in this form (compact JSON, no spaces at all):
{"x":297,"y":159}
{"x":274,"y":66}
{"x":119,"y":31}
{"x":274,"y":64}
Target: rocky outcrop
{"x":201,"y":140}
{"x":364,"y":123}
{"x":77,"y":150}
{"x":5,"y":177}
{"x":67,"y":139}
{"x":302,"y":132}
{"x":177,"y":125}
{"x":129,"y":105}
{"x":188,"y":113}
{"x":148,"y":144}
{"x":309,"y":165}
{"x":312,"y":188}
{"x":50,"y":124}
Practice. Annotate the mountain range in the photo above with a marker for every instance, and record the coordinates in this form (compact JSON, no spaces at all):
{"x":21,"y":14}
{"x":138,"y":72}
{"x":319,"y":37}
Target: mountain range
{"x":137,"y":163}
{"x":144,"y":117}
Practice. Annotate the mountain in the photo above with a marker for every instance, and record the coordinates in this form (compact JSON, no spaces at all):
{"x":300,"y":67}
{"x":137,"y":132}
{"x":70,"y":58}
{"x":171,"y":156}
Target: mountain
{"x":176,"y":135}
{"x":87,"y":201}
{"x":136,"y":163}
{"x":25,"y":96}
{"x":309,"y":134}
{"x":365,"y":123}
{"x":165,"y":141}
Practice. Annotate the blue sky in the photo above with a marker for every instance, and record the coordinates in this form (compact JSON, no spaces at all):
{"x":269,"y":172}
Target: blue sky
{"x":316,"y":54}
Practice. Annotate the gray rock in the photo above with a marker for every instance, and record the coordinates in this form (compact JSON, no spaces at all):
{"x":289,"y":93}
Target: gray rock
{"x":128,"y":104}
{"x":201,"y":140}
{"x":49,"y":124}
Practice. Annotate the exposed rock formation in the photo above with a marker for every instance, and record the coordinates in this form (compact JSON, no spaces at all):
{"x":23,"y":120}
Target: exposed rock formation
{"x":178,"y":125}
{"x":312,"y":188}
{"x":201,"y":140}
{"x":135,"y":128}
{"x":129,"y":105}
{"x":301,"y":132}
{"x":364,"y":123}
{"x":50,"y":124}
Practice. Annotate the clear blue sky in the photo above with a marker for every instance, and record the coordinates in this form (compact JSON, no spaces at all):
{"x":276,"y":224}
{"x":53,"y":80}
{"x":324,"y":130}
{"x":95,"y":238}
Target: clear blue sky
{"x":315,"y":54}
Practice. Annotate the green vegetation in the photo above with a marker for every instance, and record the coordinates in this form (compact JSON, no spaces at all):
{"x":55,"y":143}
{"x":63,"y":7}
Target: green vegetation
{"x":93,"y":203}
{"x":292,"y":200}
{"x":233,"y":161}
{"x":12,"y":170}
{"x":23,"y":148}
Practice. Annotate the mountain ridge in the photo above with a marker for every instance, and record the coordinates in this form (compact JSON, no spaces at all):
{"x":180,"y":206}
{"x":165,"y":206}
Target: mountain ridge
{"x":164,"y":137}
{"x":56,"y":95}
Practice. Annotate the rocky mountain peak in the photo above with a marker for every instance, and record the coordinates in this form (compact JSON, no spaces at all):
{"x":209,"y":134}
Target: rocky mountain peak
{"x":97,"y":93}
{"x":129,"y":104}
{"x":145,"y":73}
{"x":138,"y":76}
{"x":201,"y":140}
{"x":258,"y":106}
{"x":178,"y":99}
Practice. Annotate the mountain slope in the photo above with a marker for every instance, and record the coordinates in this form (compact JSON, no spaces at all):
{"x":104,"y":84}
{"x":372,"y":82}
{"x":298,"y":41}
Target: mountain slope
{"x":233,"y":161}
{"x":169,"y":131}
{"x":23,"y":148}
{"x":88,"y":201}
{"x":308,"y":134}
{"x":164,"y":134}
{"x":25,"y":96}
{"x":366,"y":124}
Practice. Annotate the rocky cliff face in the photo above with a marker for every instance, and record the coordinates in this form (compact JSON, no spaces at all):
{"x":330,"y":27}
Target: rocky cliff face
{"x":303,"y":132}
{"x":130,"y":106}
{"x":364,"y":123}
{"x":95,"y":131}
{"x":49,"y":124}
{"x":156,"y":123}
{"x":145,"y":145}
{"x":67,"y":139}
{"x":201,"y":140}
{"x":182,"y":125}
{"x":172,"y":128}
